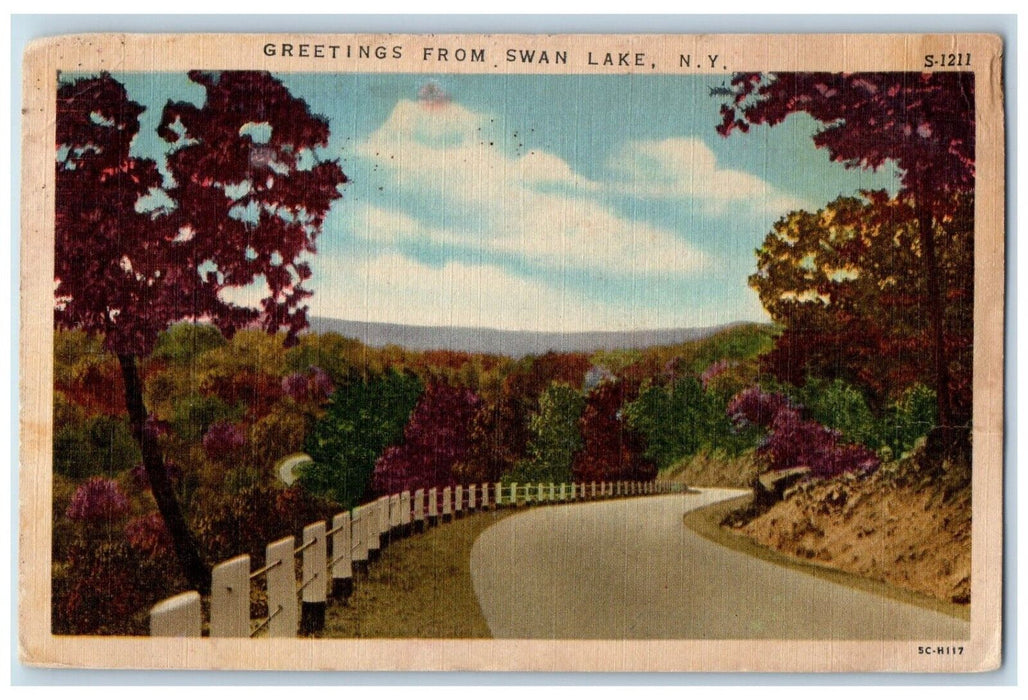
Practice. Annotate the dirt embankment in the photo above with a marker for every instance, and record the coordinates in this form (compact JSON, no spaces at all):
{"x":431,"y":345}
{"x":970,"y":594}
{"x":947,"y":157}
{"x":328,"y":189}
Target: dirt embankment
{"x":905,"y":525}
{"x":714,"y":470}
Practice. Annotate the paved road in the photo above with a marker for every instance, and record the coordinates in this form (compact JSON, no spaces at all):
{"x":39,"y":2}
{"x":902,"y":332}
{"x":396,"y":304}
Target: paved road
{"x":630,"y":569}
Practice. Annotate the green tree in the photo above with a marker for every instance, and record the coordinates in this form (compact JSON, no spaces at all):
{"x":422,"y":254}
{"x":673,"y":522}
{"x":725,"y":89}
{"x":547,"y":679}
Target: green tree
{"x":681,"y":419}
{"x":344,"y":359}
{"x":554,"y":437}
{"x":362,"y":419}
{"x":839,"y":405}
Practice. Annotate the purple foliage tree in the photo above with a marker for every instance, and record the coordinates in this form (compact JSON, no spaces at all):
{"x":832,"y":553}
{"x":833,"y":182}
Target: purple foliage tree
{"x":437,"y":438}
{"x":247,"y":198}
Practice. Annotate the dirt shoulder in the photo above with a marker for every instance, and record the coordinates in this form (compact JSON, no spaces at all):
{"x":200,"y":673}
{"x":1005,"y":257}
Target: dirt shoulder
{"x":420,"y":587}
{"x":900,"y":541}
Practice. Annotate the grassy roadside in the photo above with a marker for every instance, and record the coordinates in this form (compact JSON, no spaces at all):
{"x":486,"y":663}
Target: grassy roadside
{"x":421,"y":587}
{"x":706,"y":522}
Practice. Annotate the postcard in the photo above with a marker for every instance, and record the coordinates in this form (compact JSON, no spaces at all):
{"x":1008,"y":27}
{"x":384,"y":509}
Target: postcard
{"x":512,"y":352}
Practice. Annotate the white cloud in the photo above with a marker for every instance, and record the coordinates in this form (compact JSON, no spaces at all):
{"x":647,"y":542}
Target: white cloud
{"x":514,"y":206}
{"x":686,"y":168}
{"x":592,"y":268}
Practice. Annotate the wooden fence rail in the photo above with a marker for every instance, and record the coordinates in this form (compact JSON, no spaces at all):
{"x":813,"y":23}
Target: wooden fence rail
{"x":332,"y":553}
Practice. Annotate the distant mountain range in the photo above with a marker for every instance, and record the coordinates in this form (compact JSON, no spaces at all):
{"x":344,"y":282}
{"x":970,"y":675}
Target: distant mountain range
{"x":511,"y":343}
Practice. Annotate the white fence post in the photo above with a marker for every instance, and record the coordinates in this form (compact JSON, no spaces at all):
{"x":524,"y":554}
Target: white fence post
{"x":419,"y":509}
{"x":447,"y":503}
{"x":314,"y":582}
{"x":281,"y":588}
{"x":372,"y":529}
{"x":394,"y":512}
{"x":178,"y":616}
{"x":514,"y":495}
{"x":342,"y":554}
{"x":472,"y":497}
{"x":433,"y":505}
{"x":485,"y":496}
{"x":563,"y":492}
{"x":498,"y":498}
{"x":540,"y":493}
{"x":230,"y":598}
{"x":359,"y":537}
{"x":405,"y":512}
{"x":458,"y":501}
{"x":383,"y":520}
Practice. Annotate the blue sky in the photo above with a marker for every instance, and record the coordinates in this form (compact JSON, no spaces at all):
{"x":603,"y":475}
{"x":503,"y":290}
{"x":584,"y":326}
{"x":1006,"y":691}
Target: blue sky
{"x":531,"y":202}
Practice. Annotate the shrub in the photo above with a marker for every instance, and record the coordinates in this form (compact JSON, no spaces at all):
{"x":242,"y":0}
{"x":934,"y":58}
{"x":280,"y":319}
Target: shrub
{"x":280,"y":433}
{"x":245,"y":522}
{"x":149,"y":536}
{"x":682,"y":419}
{"x":910,"y":418}
{"x":843,"y":407}
{"x":98,"y":446}
{"x":194,"y":414}
{"x":756,"y":406}
{"x":98,"y":500}
{"x":224,"y":440}
{"x":893,"y":431}
{"x":106,"y":587}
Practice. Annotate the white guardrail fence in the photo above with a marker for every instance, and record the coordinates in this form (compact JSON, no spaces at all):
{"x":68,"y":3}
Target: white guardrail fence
{"x":298,"y":579}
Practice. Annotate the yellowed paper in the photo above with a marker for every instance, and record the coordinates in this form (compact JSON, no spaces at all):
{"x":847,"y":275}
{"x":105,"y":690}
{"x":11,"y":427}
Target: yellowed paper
{"x":544,"y":408}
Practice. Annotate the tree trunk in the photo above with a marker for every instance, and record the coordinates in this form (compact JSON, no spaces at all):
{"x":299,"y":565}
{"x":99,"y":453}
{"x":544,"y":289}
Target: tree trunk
{"x":944,"y":436}
{"x":193,"y":566}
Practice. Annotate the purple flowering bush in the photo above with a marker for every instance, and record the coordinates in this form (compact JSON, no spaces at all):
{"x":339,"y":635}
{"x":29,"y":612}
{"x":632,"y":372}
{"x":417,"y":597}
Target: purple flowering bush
{"x":98,"y":500}
{"x":793,"y":441}
{"x":313,"y":386}
{"x":224,"y":439}
{"x":149,"y":536}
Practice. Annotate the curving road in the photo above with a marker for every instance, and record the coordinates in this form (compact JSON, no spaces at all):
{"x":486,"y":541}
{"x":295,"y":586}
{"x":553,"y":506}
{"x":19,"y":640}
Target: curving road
{"x":631,"y":569}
